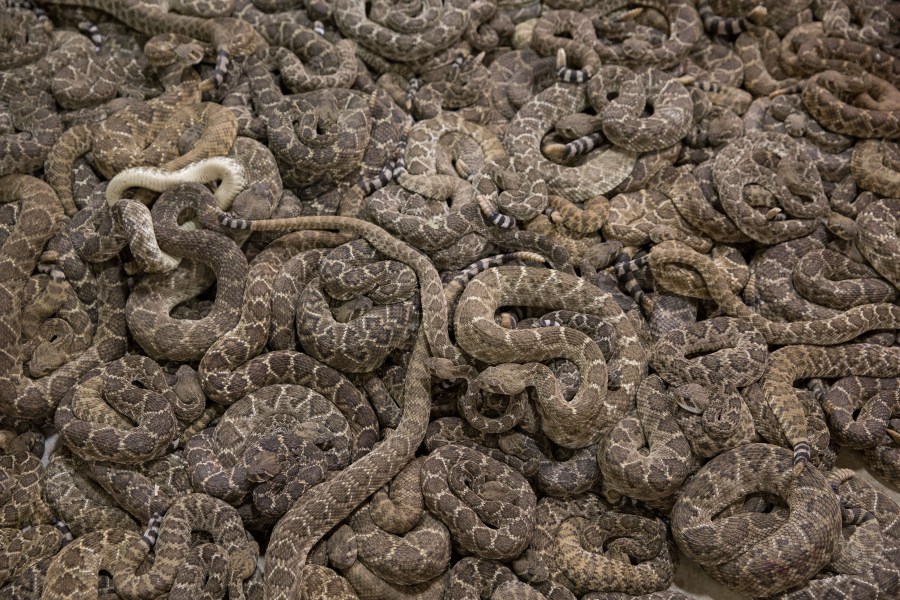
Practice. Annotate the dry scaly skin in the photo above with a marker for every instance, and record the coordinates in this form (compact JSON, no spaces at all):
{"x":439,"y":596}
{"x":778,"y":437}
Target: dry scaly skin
{"x":192,"y":512}
{"x":874,"y":167}
{"x":668,"y":461}
{"x":231,"y":37}
{"x":553,"y":422}
{"x":738,"y":550}
{"x":877,"y":237}
{"x":436,"y":29}
{"x":317,"y":511}
{"x":394,"y":545}
{"x":488,"y":506}
{"x":601,"y":172}
{"x":37,"y":222}
{"x":577,"y":423}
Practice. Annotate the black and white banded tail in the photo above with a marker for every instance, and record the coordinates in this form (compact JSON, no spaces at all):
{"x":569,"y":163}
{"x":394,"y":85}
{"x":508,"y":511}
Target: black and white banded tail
{"x":222,"y":60}
{"x":801,"y":457}
{"x":717,"y":25}
{"x":64,"y":529}
{"x":90,"y":30}
{"x":625,"y":269}
{"x":577,"y":147}
{"x":151,"y":534}
{"x":565,"y":73}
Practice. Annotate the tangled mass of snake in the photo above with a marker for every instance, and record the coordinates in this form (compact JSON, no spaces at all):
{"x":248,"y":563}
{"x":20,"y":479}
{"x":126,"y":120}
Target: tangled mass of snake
{"x":449,"y":299}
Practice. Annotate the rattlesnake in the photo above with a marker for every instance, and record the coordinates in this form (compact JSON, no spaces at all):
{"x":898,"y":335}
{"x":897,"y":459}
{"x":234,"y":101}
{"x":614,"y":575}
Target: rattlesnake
{"x":684,"y":27}
{"x":875,"y":165}
{"x":472,"y":578}
{"x":824,"y":95}
{"x":25,"y":38}
{"x":293,"y":431}
{"x":148,"y":307}
{"x":306,"y":60}
{"x":37,"y":222}
{"x":192,"y":512}
{"x":866,"y":562}
{"x":403,"y":37}
{"x":705,"y":280}
{"x":434,"y":315}
{"x":232,"y":37}
{"x":566,"y":422}
{"x":859,"y":409}
{"x":776,"y":164}
{"x":710,"y":411}
{"x":668,"y":461}
{"x":39,"y":125}
{"x":739,"y":547}
{"x":78,"y":413}
{"x":139,"y":123}
{"x":78,"y":567}
{"x":376,"y":467}
{"x":593,"y":176}
{"x":317,"y":512}
{"x":495,"y":495}
{"x":380,"y":306}
{"x":877,"y":237}
{"x":577,"y":423}
{"x":29,"y":532}
{"x":393,"y":542}
{"x":792,"y":362}
{"x":592,"y":552}
{"x":802,"y":280}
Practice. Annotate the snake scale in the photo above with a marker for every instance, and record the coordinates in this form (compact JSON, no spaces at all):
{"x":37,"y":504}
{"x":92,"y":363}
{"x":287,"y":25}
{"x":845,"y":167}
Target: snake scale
{"x":449,"y":299}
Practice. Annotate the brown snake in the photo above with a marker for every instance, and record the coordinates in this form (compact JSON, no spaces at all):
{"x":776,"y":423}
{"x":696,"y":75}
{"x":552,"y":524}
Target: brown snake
{"x":441,"y":299}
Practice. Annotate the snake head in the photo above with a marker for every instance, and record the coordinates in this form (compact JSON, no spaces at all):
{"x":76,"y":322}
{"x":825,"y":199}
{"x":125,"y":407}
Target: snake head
{"x":894,"y":435}
{"x":495,"y":491}
{"x":508,"y":379}
{"x":503,"y":175}
{"x":577,"y":125}
{"x":444,"y":368}
{"x":722,"y":416}
{"x":842,"y":83}
{"x":342,"y":547}
{"x":531,"y":567}
{"x":519,"y":445}
{"x":692,"y":397}
{"x":841,"y":226}
{"x":244,"y":561}
{"x":636,"y":49}
{"x":264,"y":466}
